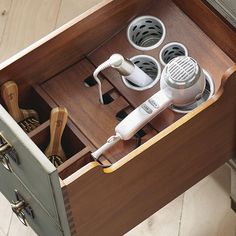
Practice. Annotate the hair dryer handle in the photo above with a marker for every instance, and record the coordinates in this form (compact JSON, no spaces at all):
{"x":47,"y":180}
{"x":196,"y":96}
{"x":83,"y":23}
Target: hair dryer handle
{"x":138,"y":118}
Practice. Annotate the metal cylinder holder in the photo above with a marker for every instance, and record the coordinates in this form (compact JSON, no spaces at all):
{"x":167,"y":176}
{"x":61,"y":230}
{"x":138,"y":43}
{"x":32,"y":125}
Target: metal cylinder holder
{"x":207,"y":94}
{"x":146,"y":32}
{"x":150,"y":66}
{"x":172,"y":50}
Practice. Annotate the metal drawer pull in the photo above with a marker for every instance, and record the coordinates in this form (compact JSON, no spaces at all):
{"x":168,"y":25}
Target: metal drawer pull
{"x":7,"y":152}
{"x":5,"y":162}
{"x":17,"y":208}
{"x":20,"y":207}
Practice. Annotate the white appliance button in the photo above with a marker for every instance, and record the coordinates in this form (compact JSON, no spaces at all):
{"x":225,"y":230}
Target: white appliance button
{"x":146,"y":108}
{"x":154,"y":103}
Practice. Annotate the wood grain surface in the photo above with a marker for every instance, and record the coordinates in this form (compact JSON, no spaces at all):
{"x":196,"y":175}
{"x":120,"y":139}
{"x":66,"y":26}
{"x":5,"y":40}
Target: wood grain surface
{"x":27,"y":22}
{"x":217,"y":28}
{"x":69,"y":9}
{"x":158,"y":171}
{"x":116,"y":199}
{"x":198,"y":44}
{"x":10,"y":95}
{"x":4,"y":11}
{"x":69,"y":43}
{"x":95,"y":120}
{"x":76,"y":145}
{"x":58,"y":121}
{"x":33,"y":20}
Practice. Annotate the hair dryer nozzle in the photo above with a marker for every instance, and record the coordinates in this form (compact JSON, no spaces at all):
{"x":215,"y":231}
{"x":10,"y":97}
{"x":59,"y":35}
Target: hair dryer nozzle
{"x":183,"y":80}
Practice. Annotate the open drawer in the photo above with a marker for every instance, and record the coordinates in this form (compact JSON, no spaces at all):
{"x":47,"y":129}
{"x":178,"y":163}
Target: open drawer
{"x":131,"y":182}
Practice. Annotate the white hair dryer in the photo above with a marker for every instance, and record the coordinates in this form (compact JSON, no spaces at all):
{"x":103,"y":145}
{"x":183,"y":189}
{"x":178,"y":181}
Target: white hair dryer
{"x":182,"y":82}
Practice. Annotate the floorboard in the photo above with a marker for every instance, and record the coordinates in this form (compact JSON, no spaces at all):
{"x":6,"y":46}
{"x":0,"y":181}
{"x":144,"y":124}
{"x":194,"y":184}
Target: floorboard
{"x":5,"y":6}
{"x":27,"y":22}
{"x":72,"y":8}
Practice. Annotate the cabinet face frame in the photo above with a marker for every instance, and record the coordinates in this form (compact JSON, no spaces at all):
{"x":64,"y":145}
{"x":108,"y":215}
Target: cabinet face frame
{"x":27,"y":67}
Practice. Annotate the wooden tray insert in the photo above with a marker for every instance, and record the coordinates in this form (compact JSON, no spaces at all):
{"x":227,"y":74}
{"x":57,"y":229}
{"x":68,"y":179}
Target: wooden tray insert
{"x":95,"y":120}
{"x":76,"y":146}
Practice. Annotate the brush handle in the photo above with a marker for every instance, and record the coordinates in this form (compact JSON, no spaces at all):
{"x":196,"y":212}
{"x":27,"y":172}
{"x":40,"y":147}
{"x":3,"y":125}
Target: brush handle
{"x":9,"y":92}
{"x":58,"y":120}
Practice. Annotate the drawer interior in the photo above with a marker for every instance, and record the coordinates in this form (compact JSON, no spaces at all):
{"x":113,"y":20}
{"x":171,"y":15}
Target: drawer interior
{"x":90,"y":123}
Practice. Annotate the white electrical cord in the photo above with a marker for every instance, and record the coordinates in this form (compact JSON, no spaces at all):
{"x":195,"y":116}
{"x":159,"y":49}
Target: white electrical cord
{"x":103,"y":66}
{"x":114,"y":60}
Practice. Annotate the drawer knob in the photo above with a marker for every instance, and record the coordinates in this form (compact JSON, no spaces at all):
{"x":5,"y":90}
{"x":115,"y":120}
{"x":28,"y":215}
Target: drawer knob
{"x":5,"y":162}
{"x":20,"y":207}
{"x":7,"y":152}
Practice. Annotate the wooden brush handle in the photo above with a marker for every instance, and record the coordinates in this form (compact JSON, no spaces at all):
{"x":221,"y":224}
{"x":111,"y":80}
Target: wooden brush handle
{"x":9,"y":92}
{"x":58,"y":120}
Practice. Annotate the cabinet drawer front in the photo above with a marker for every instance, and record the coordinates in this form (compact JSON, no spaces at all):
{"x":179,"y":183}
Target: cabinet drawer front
{"x":119,"y":197}
{"x":39,"y":219}
{"x":33,"y":168}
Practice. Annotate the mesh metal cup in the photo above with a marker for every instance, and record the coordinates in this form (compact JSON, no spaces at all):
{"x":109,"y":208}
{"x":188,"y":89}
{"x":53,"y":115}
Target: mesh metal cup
{"x":172,"y":50}
{"x":146,"y":32}
{"x":150,"y":66}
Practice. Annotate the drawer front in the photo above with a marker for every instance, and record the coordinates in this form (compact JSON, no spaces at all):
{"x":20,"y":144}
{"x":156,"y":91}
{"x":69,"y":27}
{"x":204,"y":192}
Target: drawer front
{"x":119,"y":197}
{"x":30,"y":165}
{"x":34,"y":215}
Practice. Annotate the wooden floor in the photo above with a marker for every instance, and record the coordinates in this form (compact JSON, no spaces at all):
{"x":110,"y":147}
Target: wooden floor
{"x":22,"y":22}
{"x":204,"y":210}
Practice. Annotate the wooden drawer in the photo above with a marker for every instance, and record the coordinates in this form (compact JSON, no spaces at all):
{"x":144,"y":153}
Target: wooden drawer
{"x":81,"y":196}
